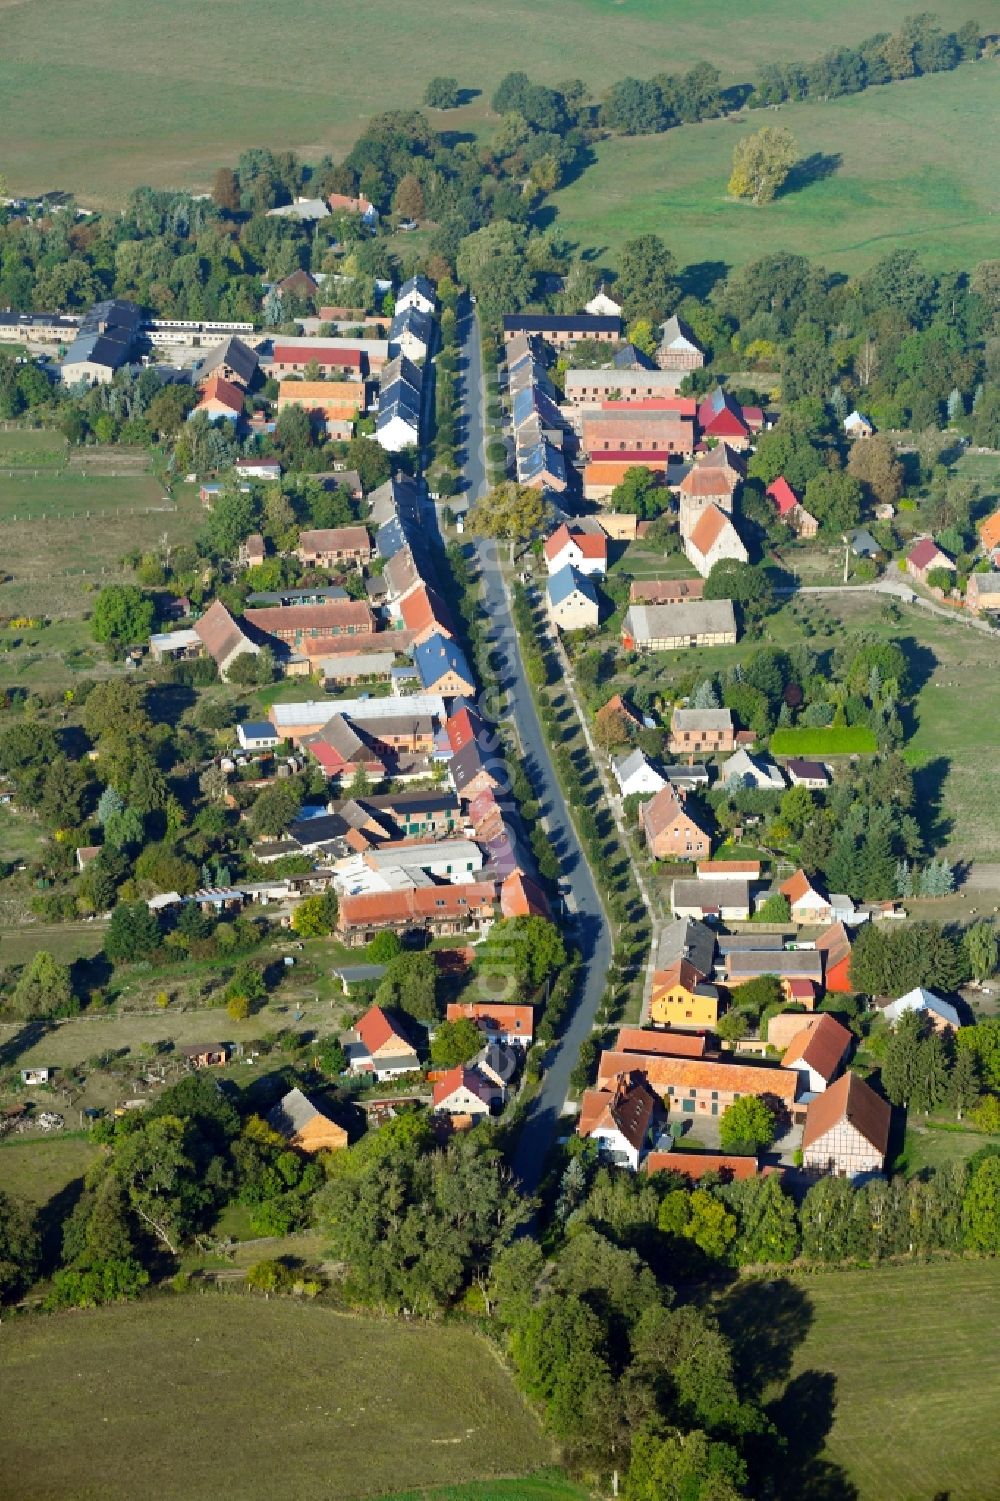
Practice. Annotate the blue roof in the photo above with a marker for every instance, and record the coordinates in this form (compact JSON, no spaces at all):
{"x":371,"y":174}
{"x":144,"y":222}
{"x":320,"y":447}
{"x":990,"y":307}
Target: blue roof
{"x":258,"y":729}
{"x":438,"y":655}
{"x":562,"y":584}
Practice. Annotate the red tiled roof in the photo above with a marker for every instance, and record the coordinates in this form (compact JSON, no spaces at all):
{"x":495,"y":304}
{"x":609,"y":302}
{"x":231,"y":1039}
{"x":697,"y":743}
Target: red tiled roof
{"x":219,"y":632}
{"x":708,"y":529}
{"x":783,"y":495}
{"x":336,"y":614}
{"x":706,"y":480}
{"x":505,"y":1016}
{"x":820,"y":1045}
{"x":375,"y":1030}
{"x":683,"y":406}
{"x":850,"y":1099}
{"x":695,"y":1165}
{"x":591,"y":544}
{"x":709,"y":868}
{"x":322,"y":354}
{"x":336,"y":539}
{"x":216,"y":388}
{"x":627,"y":1108}
{"x":418,"y":904}
{"x":520,"y":896}
{"x":463,"y":1077}
{"x":835,"y":942}
{"x":664,"y":1044}
{"x":700,"y":1073}
{"x":797,"y":886}
{"x":422,"y":608}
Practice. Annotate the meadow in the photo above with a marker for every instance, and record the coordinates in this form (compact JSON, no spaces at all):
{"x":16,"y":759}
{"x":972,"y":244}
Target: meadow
{"x":908,"y":165}
{"x":914,"y":1366}
{"x":203,"y":82}
{"x":154,"y":1399}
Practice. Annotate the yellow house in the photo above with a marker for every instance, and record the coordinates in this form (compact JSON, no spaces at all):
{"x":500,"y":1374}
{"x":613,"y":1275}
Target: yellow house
{"x":680,"y":998}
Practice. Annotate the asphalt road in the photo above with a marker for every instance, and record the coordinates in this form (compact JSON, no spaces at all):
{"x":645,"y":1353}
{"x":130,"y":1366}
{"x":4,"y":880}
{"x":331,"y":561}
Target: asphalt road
{"x":590,"y":931}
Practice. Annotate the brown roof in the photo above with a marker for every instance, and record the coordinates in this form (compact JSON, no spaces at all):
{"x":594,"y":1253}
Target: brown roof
{"x":591,"y":544}
{"x":323,"y":354}
{"x":336,"y":539}
{"x":335,"y":615}
{"x":724,"y":457}
{"x":850,"y":1099}
{"x":627,"y":1108}
{"x":671,"y":1044}
{"x":749,"y":868}
{"x":708,"y":529}
{"x":695,"y":1165}
{"x":797,"y":886}
{"x":419,"y":904}
{"x":504,"y":1015}
{"x":664,"y":591}
{"x":665,"y":809}
{"x":711,"y":481}
{"x":376,"y":1028}
{"x":835,"y":943}
{"x":820,"y":1045}
{"x":700,"y":1073}
{"x":219,"y":633}
{"x":421,"y":608}
{"x":216,"y":388}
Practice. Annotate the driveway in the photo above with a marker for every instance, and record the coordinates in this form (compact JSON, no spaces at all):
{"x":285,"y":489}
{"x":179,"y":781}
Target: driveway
{"x":591,"y":932}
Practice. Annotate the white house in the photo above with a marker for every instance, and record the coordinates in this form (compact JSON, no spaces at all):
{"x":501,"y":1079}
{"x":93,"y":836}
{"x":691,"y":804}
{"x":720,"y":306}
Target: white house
{"x":257,"y":735}
{"x":621,"y":1120}
{"x":806,"y":904}
{"x":587,"y":552}
{"x":634,"y":774}
{"x":466,"y":1091}
{"x":727,"y":900}
{"x":572,"y":600}
{"x":418,"y":292}
{"x":751,"y":771}
{"x":817,"y":1051}
{"x":857,"y":425}
{"x":810,"y":774}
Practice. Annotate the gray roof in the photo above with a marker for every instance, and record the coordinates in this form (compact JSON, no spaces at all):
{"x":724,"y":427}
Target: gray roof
{"x":628,"y":765}
{"x":292,"y":1112}
{"x":691,"y":617}
{"x":732,"y":943}
{"x":685,"y":938}
{"x":702,"y":719}
{"x":360,"y":974}
{"x":709,"y":895}
{"x":807,"y":963}
{"x":676,"y":331}
{"x":234,"y":353}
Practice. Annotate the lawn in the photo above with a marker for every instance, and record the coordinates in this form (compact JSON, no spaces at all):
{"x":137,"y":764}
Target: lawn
{"x":40,"y":1167}
{"x":915,"y":1361}
{"x":31,"y":448}
{"x":530,"y":1488}
{"x":200,"y":87}
{"x":158,"y":1399}
{"x":913,"y":168}
{"x":928,"y":1147}
{"x":845,"y":740}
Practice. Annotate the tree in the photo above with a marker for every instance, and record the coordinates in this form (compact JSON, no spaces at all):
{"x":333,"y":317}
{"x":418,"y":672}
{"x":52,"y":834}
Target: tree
{"x":774,"y":908}
{"x":875,"y":464}
{"x":767,"y":1221}
{"x":226,"y":190}
{"x":275,"y":808}
{"x":269,"y":1277}
{"x":669,"y":1465}
{"x":710,"y":1225}
{"x":408,"y":200}
{"x":646,"y":286}
{"x":44,"y":989}
{"x":528,"y":948}
{"x":442,"y":92}
{"x":133,"y":933}
{"x":316,"y":916}
{"x":510,"y":511}
{"x":19,"y":1245}
{"x":160,"y":1178}
{"x":834,"y":498}
{"x":122,"y":615}
{"x":640,"y":493}
{"x":761,"y":164}
{"x":410,"y":984}
{"x":981,"y":947}
{"x":494,"y":263}
{"x":383,"y":947}
{"x":901,"y":1065}
{"x":455,"y":1042}
{"x":981,"y":1207}
{"x":747,"y":1125}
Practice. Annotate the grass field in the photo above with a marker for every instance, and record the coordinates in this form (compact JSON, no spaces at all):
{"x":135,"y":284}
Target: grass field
{"x":916,"y":1363}
{"x":925,"y":1147}
{"x":850,"y":740}
{"x":31,"y":448}
{"x":200,"y":86}
{"x":38,"y":1169}
{"x":915,"y":170}
{"x":159,"y":1399}
{"x":527,"y":1488}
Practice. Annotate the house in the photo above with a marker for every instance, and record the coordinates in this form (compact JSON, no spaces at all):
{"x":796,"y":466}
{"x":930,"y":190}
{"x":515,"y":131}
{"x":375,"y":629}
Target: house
{"x":620,"y":1120}
{"x":267,"y":469}
{"x":380,"y":1046}
{"x":586,"y":551}
{"x":539,"y":463}
{"x":683,"y":939}
{"x":222,"y":637}
{"x":442,"y":668}
{"x":500,"y":1022}
{"x":681,"y":997}
{"x":498,"y":1064}
{"x":678,"y":348}
{"x":410,"y":333}
{"x":695,"y":622}
{"x":817,"y":1051}
{"x":474,"y":769}
{"x":253,"y":551}
{"x":799,"y":992}
{"x":520,"y":896}
{"x":221,"y":401}
{"x":743,"y":964}
{"x":105,"y":342}
{"x":419,"y":293}
{"x":571,"y":600}
{"x":835,"y":946}
{"x":603,"y":306}
{"x":857,"y":425}
{"x":672,"y":833}
{"x":335,"y":402}
{"x":37,"y":1075}
{"x":674,"y":1044}
{"x":85,"y":853}
{"x":983,"y":592}
{"x":440,"y":910}
{"x":563,"y":330}
{"x":424,"y":614}
{"x":744,"y":770}
{"x":466,"y":1090}
{"x":791,"y":509}
{"x":344,"y":203}
{"x":206,"y":1054}
{"x":924,"y":556}
{"x":941,"y":1014}
{"x":713,"y":538}
{"x":257,"y":735}
{"x":696,"y":1165}
{"x":346,"y":360}
{"x":701,"y":731}
{"x":342,"y":751}
{"x":847,"y":1130}
{"x":400,"y":403}
{"x":235,"y":361}
{"x":617,"y":711}
{"x":328,"y":546}
{"x":810,"y":774}
{"x":989,"y":531}
{"x":665,"y":591}
{"x":306,"y":211}
{"x":303,"y":1124}
{"x":700,"y":1086}
{"x":453,"y":862}
{"x":728,"y":900}
{"x":807,"y":905}
{"x":635,"y":775}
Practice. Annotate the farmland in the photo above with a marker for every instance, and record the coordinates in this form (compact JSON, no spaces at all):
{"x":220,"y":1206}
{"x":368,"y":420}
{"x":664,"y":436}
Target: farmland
{"x":154,"y":1398}
{"x":914,"y":1368}
{"x":932,"y":184}
{"x":197,"y":90}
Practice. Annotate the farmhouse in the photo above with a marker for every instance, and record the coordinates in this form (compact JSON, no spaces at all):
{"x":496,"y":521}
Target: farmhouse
{"x":620,"y":1120}
{"x":572,"y":600}
{"x":305,"y":1126}
{"x":924,"y":556}
{"x":846,"y":1130}
{"x":293,"y":624}
{"x":333,"y":400}
{"x":743,"y":964}
{"x":439,"y":910}
{"x":727,"y":899}
{"x":232,"y":359}
{"x":671,"y":831}
{"x":817,"y":1051}
{"x":941,"y":1014}
{"x":328,"y":546}
{"x":347,"y":360}
{"x":380,"y":1046}
{"x":222,"y":637}
{"x":701,"y":731}
{"x":712,"y":538}
{"x":563,"y":330}
{"x":696,"y":622}
{"x":586,"y":551}
{"x":665,"y":591}
{"x":697,"y":1086}
{"x":721,"y":416}
{"x":501,"y":1022}
{"x":424,"y":614}
{"x":682,"y":997}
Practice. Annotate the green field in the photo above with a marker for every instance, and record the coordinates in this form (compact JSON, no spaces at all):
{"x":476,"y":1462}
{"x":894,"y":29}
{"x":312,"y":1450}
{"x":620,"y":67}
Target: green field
{"x":916,"y":1364}
{"x":916,"y":169}
{"x":530,"y":1488}
{"x":201,"y":83}
{"x":230,"y":1397}
{"x":31,"y":448}
{"x":39,"y":1168}
{"x":926,"y":1147}
{"x":849,"y":740}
